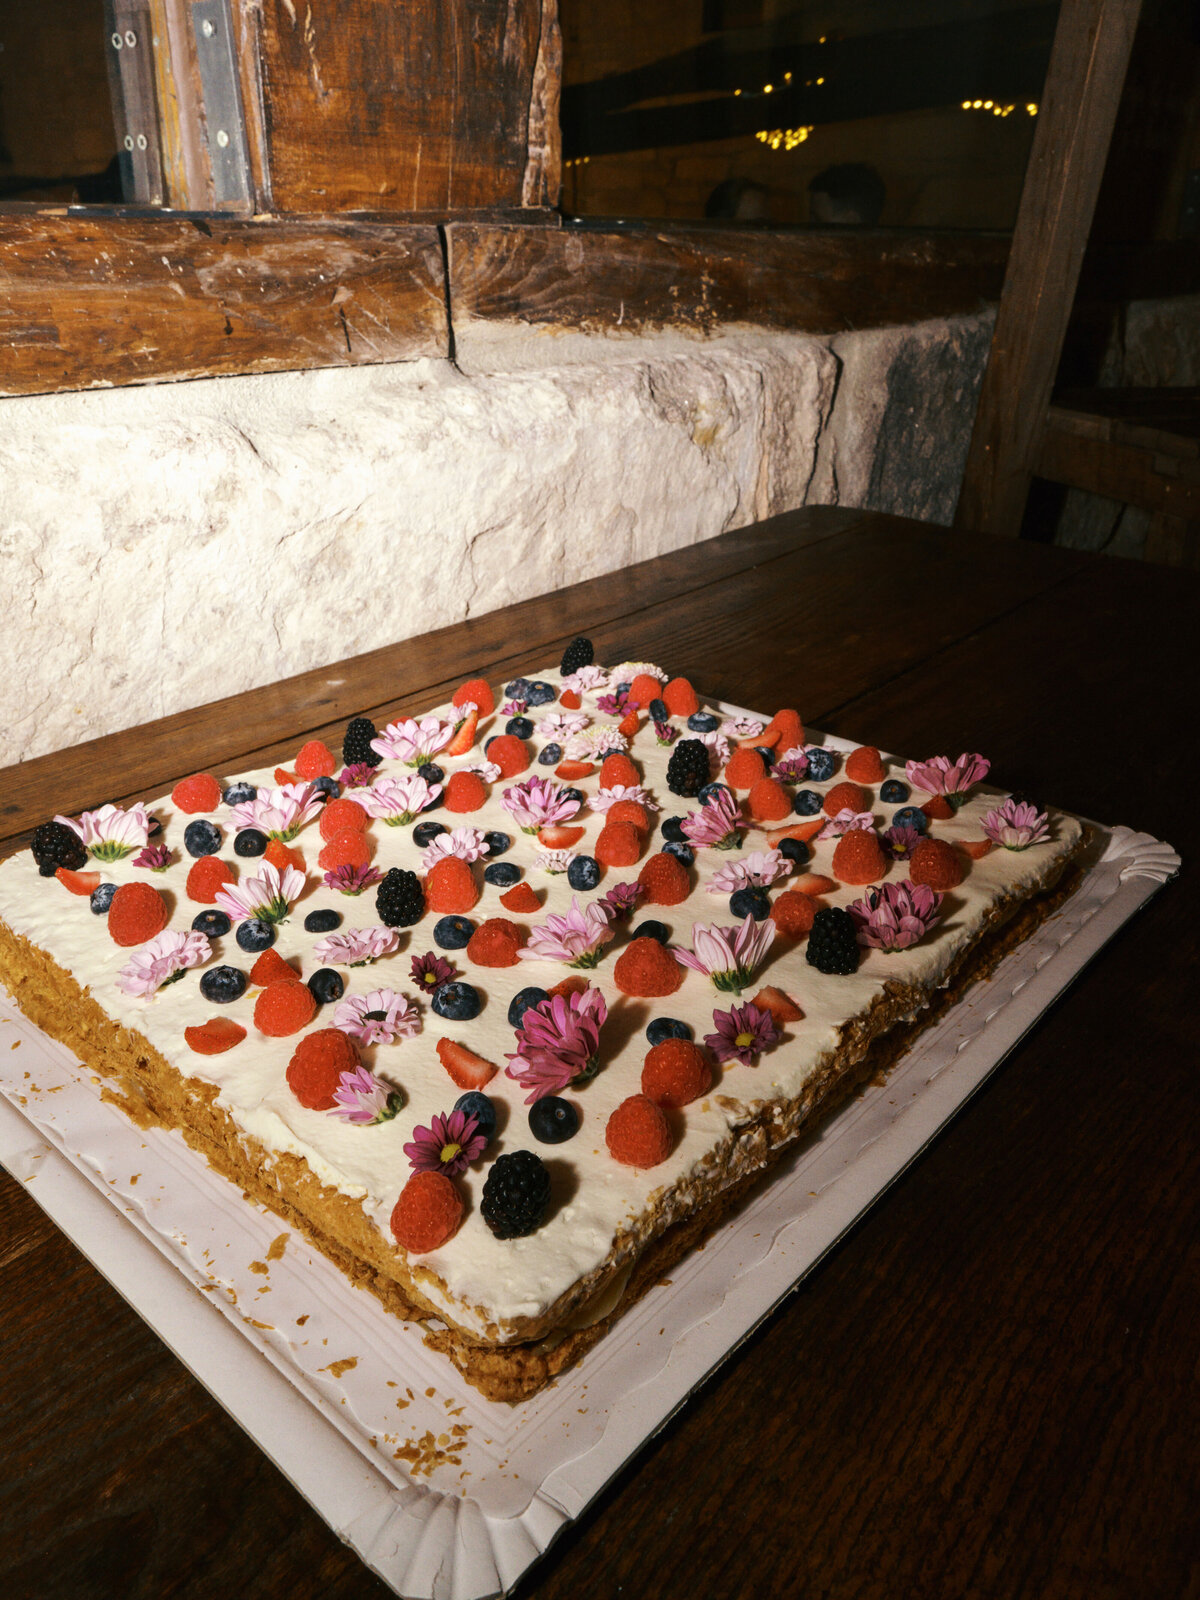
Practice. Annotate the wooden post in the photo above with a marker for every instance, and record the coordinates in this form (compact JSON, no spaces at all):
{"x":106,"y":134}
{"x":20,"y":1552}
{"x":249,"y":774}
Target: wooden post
{"x":1074,"y":128}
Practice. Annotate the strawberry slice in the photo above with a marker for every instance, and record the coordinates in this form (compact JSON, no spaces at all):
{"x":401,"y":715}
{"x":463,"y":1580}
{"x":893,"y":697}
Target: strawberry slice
{"x":558,"y":837}
{"x":781,"y":1006}
{"x":976,"y":848}
{"x":575,"y":984}
{"x":570,"y":770}
{"x":215,"y":1036}
{"x":282,"y":776}
{"x":468,"y":1070}
{"x":629,"y":724}
{"x":938,"y":809}
{"x":464,"y":734}
{"x":813,"y":883}
{"x":798,"y":830}
{"x":78,"y":882}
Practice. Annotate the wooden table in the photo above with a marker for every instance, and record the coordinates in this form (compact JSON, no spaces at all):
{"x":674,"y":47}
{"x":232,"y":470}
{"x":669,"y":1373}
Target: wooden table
{"x":988,"y":1389}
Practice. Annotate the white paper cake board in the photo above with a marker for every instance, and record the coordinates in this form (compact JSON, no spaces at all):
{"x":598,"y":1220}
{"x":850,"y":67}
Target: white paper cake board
{"x":445,"y":1495}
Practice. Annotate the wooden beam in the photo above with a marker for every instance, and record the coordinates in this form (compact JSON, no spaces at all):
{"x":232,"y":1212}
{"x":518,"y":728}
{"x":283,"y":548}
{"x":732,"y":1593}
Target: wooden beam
{"x":1078,"y":110}
{"x":97,"y":301}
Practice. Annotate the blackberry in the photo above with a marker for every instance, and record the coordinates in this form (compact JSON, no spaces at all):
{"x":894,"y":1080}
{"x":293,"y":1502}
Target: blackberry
{"x":584,"y":872}
{"x":250,"y":842}
{"x":356,"y":746}
{"x":667,"y":1028}
{"x":579,"y":653}
{"x":553,"y":1121}
{"x":213,"y":924}
{"x":322,"y":921}
{"x":453,"y":933}
{"x":55,"y":845}
{"x":223,"y":985}
{"x":399,"y":899}
{"x":751,"y":902}
{"x":497,"y":842}
{"x":254,"y":935}
{"x":806,"y":802}
{"x":101,"y":898}
{"x":672,"y":830}
{"x":521,"y":1002}
{"x":893,"y":792}
{"x":659,"y":712}
{"x":652,"y":930}
{"x":426,"y":832}
{"x":681,"y":850}
{"x":832,"y":942}
{"x":502,"y":873}
{"x":474,"y":1104}
{"x":201,"y":838}
{"x":687,"y":770}
{"x":326,"y":985}
{"x":457,"y":1002}
{"x":541,"y":694}
{"x":821,"y":764}
{"x":238,"y":794}
{"x":519,"y":727}
{"x":703,"y":722}
{"x":515,"y":1194}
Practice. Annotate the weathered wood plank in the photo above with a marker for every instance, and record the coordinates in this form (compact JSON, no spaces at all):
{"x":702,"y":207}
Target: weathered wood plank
{"x":631,"y":279}
{"x":87,"y":302}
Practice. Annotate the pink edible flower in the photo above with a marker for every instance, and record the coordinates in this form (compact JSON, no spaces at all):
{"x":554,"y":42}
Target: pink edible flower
{"x":381,"y":1017}
{"x":168,"y":955}
{"x":558,"y":1043}
{"x":1016,"y":824}
{"x":363,"y":1099}
{"x":399,"y":801}
{"x":729,"y":956}
{"x":353,"y":880}
{"x":743,"y":1032}
{"x":606,"y":799}
{"x":718,"y":822}
{"x":622,"y":899}
{"x":585,"y":680}
{"x":413,"y":741}
{"x":468,"y":844}
{"x":940,"y":775}
{"x":899,"y":842}
{"x":613,"y":705}
{"x":156,"y":857}
{"x":514,"y":708}
{"x":718,"y":749}
{"x":538,"y":803}
{"x":595,"y":743}
{"x":554,"y":861}
{"x":430,"y":971}
{"x":357,"y":776}
{"x":560,"y":725}
{"x":742,"y":728}
{"x":110,"y":833}
{"x":267,"y":897}
{"x":358,"y":948}
{"x":895,"y":915}
{"x":280,"y":813}
{"x":449,"y":1145}
{"x":666,"y":732}
{"x":847,"y":820}
{"x":755,"y":871}
{"x":792,"y":765}
{"x":577,"y":938}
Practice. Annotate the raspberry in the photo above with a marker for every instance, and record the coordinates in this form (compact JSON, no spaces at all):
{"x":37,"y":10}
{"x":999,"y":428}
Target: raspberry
{"x":665,"y":880}
{"x":281,"y":855}
{"x":618,"y":772}
{"x":450,"y":885}
{"x":479,"y":692}
{"x":315,"y":761}
{"x":643,"y":689}
{"x":938,"y":809}
{"x":136,"y":914}
{"x":342,"y":816}
{"x":618,"y":845}
{"x":317,"y":1063}
{"x":427,"y":1213}
{"x":521,"y":897}
{"x":198,"y":793}
{"x":509,"y":754}
{"x":844,"y":796}
{"x":348,"y":848}
{"x":680,"y":698}
{"x":793,"y":914}
{"x":638,"y":1133}
{"x":933,"y":862}
{"x":744,"y":769}
{"x":464,"y":791}
{"x":629,"y":724}
{"x":864,"y":765}
{"x":785,"y":731}
{"x":781,"y":1006}
{"x":495,"y":943}
{"x":215,"y":1036}
{"x":647,"y":970}
{"x":630,"y":811}
{"x":284,"y":1008}
{"x":859,"y":857}
{"x":675,"y":1073}
{"x":769,"y":801}
{"x":271,"y":968}
{"x":206,"y":877}
{"x":570,"y":699}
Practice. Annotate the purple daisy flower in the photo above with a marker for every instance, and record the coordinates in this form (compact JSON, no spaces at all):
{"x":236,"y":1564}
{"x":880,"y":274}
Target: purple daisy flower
{"x":623,"y":898}
{"x":743,"y":1032}
{"x":449,"y":1145}
{"x":430,"y":970}
{"x":899,"y":843}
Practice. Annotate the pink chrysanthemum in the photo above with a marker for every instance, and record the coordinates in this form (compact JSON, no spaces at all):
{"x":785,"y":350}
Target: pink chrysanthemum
{"x":792,"y":765}
{"x":468,"y":844}
{"x":357,"y":948}
{"x":742,"y":728}
{"x":267,"y":897}
{"x":413,"y":741}
{"x":577,"y":938}
{"x":623,"y":899}
{"x":558,"y":1043}
{"x":280,"y":813}
{"x":538,"y":803}
{"x":718,"y":823}
{"x":359,"y":775}
{"x":381,"y":1017}
{"x":895,"y":915}
{"x":940,"y":775}
{"x":586,"y":680}
{"x":364,"y":1099}
{"x":449,"y":1145}
{"x":666,"y":732}
{"x":399,"y":801}
{"x":353,"y":880}
{"x":1016,"y":825}
{"x":729,"y":956}
{"x":847,"y":820}
{"x":755,"y":871}
{"x":165,"y":957}
{"x":560,"y":725}
{"x":155,"y":857}
{"x":554,"y":861}
{"x":110,"y":833}
{"x":606,"y":799}
{"x":743,"y":1032}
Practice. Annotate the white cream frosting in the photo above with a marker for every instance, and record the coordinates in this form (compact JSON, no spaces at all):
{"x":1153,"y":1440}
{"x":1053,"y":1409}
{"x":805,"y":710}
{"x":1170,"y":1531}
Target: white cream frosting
{"x":481,"y":1280}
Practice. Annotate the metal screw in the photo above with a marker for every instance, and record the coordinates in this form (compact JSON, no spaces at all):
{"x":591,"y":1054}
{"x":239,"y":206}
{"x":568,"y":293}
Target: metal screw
{"x":207,"y":29}
{"x":116,"y":41}
{"x":129,"y":141}
{"x":222,"y":138}
{"x":141,"y":141}
{"x":131,"y":38}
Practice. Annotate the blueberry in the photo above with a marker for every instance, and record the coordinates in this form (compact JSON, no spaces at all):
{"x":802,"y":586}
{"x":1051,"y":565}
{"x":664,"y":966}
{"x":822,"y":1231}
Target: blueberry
{"x":329,"y":786}
{"x":652,"y":930}
{"x":540,"y":694}
{"x":238,"y":794}
{"x":667,"y":1028}
{"x":794,"y":850}
{"x":584,"y":872}
{"x":683,"y":852}
{"x":322,"y":921}
{"x":575,"y":794}
{"x":250,"y":842}
{"x":767,"y":754}
{"x":750,"y":903}
{"x":807,"y":802}
{"x":212,"y":923}
{"x":474,"y":1104}
{"x":821,"y":764}
{"x":223,"y":985}
{"x":326,"y":985}
{"x":521,"y":1002}
{"x":910,"y":817}
{"x":550,"y":755}
{"x":672,"y":830}
{"x":552,"y":1121}
{"x":711,"y":790}
{"x":518,"y":689}
{"x":426,"y":832}
{"x":622,"y":688}
{"x":893,"y":792}
{"x":502,"y":873}
{"x":431,"y":772}
{"x":453,"y":933}
{"x":497,"y":843}
{"x":101,"y":899}
{"x":659,"y":712}
{"x":703,"y":722}
{"x":457,"y":1002}
{"x":201,"y":838}
{"x":254,"y":934}
{"x":521,"y":727}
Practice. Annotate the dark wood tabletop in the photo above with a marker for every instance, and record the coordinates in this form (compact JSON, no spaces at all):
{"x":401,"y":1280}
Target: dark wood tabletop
{"x":989,"y":1388}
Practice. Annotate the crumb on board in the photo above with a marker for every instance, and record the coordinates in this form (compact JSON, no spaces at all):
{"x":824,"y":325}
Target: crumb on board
{"x":337,"y":1368}
{"x":426,"y":1453}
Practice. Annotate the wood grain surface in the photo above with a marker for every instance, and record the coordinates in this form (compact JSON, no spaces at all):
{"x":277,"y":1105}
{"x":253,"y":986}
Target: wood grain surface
{"x":988,"y":1389}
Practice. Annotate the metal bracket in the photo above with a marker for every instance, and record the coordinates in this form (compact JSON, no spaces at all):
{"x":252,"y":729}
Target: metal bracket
{"x":227,"y":150}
